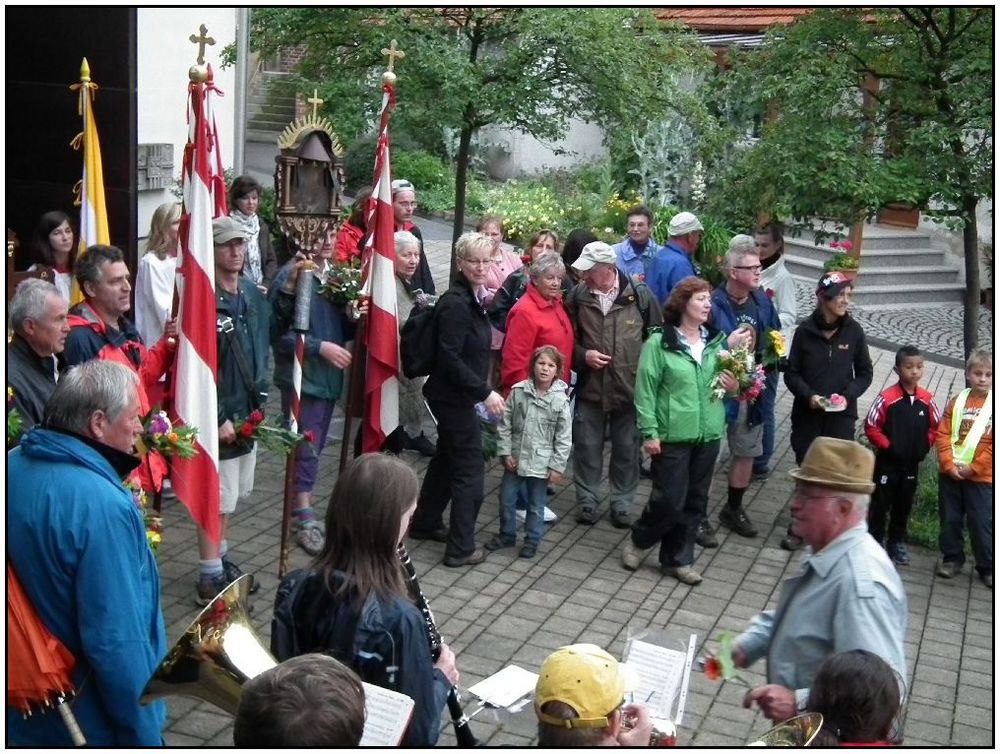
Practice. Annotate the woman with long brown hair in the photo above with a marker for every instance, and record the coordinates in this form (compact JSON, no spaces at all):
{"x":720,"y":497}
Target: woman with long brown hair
{"x":53,"y":247}
{"x":352,"y":602}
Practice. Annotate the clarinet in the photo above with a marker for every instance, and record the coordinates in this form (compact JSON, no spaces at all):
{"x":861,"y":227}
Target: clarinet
{"x":463,"y":731}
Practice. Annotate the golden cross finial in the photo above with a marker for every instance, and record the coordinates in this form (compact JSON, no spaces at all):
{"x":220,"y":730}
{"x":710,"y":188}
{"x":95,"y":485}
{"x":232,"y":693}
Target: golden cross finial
{"x":315,"y":101}
{"x":393,"y":53}
{"x":201,"y":39}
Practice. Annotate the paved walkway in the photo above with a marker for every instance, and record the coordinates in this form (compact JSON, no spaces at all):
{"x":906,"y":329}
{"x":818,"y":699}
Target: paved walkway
{"x":509,"y":610}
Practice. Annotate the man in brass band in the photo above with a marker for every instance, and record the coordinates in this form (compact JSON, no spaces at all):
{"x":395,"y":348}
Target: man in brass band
{"x":848,"y":594}
{"x":580,"y":701}
{"x":77,"y":542}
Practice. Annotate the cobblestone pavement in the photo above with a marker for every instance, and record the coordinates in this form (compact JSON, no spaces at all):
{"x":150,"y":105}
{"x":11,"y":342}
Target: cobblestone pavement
{"x":936,"y":330}
{"x":508,"y":610}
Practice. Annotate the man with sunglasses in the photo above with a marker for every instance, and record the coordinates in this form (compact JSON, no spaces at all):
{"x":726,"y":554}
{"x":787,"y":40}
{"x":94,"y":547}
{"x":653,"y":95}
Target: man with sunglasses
{"x":848,"y":594}
{"x":404,"y":205}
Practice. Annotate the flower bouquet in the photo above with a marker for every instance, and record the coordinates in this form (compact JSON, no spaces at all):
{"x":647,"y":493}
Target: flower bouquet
{"x":841,"y":259}
{"x":342,"y":283}
{"x":153,"y":522}
{"x":741,"y":364}
{"x":775,"y":351}
{"x":159,"y":434}
{"x":15,"y":424}
{"x":275,"y":438}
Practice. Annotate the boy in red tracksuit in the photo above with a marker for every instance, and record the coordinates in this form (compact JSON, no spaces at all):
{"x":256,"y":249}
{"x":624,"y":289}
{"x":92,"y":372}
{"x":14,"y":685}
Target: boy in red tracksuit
{"x":902,"y":425}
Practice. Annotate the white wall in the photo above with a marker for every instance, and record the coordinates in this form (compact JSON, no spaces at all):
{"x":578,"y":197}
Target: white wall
{"x":526,"y":155}
{"x":164,"y":56}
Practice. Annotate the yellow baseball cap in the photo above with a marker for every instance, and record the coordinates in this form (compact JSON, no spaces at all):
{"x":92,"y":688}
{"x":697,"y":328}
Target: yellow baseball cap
{"x":586,"y":678}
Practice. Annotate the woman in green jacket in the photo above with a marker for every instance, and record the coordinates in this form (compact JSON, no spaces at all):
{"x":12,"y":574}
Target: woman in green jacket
{"x":681,"y":427}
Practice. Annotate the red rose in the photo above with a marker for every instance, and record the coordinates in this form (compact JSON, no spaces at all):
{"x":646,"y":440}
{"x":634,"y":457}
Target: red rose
{"x":256,"y":417}
{"x":526,"y":260}
{"x":769,"y":292}
{"x":247,"y":429}
{"x":308,"y":435}
{"x":713,"y":669}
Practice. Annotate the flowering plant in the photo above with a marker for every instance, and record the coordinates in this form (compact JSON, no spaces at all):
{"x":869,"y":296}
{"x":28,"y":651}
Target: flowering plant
{"x":159,"y":434}
{"x":775,"y":351}
{"x":152,"y":521}
{"x":277,"y":439}
{"x":342,"y":282}
{"x":722,"y":665}
{"x":740,"y":363}
{"x":841,"y":259}
{"x":15,"y":424}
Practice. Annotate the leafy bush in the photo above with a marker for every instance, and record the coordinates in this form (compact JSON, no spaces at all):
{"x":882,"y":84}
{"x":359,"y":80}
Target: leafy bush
{"x":526,"y":207}
{"x":425,"y":171}
{"x":359,"y":159}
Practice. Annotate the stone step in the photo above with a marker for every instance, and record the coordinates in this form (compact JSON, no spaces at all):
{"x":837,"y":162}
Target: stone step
{"x":269,"y":107}
{"x":872,"y":257}
{"x":261,"y":136}
{"x":812,"y":269}
{"x":892,"y":297}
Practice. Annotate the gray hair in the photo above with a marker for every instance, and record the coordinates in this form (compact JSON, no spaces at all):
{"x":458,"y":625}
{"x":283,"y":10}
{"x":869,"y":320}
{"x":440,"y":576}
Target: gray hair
{"x":859,"y":502}
{"x":403,"y":238}
{"x":29,"y":302}
{"x":740,"y":247}
{"x":545,"y":263}
{"x":472,"y":240}
{"x":94,"y":385}
{"x":88,"y":266}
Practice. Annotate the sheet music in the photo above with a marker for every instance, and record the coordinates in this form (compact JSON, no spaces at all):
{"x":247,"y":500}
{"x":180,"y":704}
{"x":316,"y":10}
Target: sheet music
{"x":506,"y":687}
{"x":387,"y":713}
{"x":661,"y":672}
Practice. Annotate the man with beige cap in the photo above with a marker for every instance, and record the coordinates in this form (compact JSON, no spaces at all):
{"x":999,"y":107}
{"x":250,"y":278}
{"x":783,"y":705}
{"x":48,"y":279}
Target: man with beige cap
{"x":847,"y":595}
{"x":673,"y":262}
{"x":580,"y":700}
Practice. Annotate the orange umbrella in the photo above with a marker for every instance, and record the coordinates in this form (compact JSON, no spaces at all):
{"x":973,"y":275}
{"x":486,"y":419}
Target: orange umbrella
{"x":38,"y":665}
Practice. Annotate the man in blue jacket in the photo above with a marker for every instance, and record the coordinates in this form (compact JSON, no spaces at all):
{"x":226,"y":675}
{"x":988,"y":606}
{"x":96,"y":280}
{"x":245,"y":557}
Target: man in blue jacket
{"x":77,"y":542}
{"x":673,"y":262}
{"x":635,"y":253}
{"x":740,"y":303}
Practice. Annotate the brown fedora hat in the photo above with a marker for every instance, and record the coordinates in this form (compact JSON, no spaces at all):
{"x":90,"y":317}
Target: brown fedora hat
{"x":838,"y":464}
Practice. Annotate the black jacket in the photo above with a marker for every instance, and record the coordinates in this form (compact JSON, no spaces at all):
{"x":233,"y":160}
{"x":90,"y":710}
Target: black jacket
{"x":462,"y":361}
{"x":817,"y":366}
{"x":32,"y":377}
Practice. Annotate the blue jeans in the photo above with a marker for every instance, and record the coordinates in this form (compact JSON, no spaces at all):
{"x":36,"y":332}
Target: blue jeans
{"x":527,"y":488}
{"x":767,"y":399}
{"x":956,"y":502}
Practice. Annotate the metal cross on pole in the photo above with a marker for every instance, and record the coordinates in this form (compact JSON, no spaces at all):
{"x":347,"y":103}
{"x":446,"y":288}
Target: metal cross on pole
{"x":315,"y":101}
{"x":201,"y":39}
{"x":393,"y":52}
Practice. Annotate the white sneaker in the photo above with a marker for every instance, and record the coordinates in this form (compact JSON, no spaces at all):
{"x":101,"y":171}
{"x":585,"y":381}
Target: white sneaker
{"x":310,"y":537}
{"x":632,"y":556}
{"x":549,"y":516}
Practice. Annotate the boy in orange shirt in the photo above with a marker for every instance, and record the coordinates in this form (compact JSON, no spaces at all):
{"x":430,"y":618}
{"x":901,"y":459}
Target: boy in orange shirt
{"x":965,"y":458}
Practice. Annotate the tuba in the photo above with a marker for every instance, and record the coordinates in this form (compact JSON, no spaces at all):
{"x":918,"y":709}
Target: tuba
{"x":795,"y":731}
{"x":218,"y":653}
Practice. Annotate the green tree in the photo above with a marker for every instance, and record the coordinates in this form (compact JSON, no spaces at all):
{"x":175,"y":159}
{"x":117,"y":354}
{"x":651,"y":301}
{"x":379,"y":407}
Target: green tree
{"x":923,"y":135}
{"x":529,"y":69}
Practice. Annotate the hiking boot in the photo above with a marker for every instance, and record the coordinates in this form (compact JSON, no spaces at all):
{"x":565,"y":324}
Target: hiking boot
{"x":437,"y":535}
{"x":422,"y":445}
{"x":232,"y":572}
{"x":737,"y":520}
{"x":588,"y":516}
{"x":684,"y":574}
{"x":499,"y":543}
{"x":621,"y":519}
{"x":528,"y":551}
{"x":207,"y":590}
{"x":632,"y":555}
{"x":705,"y":536}
{"x":310,"y":536}
{"x":791,"y":542}
{"x":948,"y":569}
{"x":897,"y":553}
{"x":474,"y":558}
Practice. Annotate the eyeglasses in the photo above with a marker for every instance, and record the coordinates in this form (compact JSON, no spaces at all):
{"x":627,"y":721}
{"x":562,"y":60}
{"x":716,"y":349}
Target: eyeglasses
{"x":753,"y":268}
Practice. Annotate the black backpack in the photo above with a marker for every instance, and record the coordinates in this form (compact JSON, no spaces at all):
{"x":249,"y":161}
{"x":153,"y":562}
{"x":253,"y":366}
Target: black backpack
{"x":418,"y":342}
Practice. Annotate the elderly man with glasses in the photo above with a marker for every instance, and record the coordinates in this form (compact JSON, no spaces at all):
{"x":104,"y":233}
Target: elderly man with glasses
{"x":847,"y":595}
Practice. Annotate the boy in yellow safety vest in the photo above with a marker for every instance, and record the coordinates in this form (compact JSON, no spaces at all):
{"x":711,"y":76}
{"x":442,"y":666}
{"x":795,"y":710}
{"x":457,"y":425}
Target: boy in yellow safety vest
{"x":965,"y":460}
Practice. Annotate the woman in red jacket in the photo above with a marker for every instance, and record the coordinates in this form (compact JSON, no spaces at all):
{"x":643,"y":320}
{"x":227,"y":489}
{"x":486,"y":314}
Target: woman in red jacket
{"x":352,"y":231}
{"x":537,"y":319}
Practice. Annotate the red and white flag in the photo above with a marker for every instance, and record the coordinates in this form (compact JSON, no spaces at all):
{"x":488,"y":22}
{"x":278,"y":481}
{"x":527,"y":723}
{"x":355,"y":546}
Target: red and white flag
{"x":196,"y":480}
{"x":381,"y":405}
